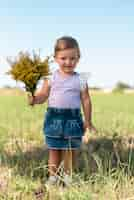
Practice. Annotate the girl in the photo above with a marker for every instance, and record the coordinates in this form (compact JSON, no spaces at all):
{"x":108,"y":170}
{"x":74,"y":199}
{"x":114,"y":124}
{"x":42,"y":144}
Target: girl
{"x":63,"y":126}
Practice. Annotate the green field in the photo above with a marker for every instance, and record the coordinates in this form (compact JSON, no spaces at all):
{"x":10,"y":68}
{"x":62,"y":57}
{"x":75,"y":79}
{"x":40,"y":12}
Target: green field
{"x":23,"y":160}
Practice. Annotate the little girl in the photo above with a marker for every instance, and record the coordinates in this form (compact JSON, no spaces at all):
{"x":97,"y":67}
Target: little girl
{"x":63,"y":126}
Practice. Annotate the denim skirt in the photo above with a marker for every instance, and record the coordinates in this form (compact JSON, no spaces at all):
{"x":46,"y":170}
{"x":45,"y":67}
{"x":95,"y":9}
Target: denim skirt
{"x":63,"y":128}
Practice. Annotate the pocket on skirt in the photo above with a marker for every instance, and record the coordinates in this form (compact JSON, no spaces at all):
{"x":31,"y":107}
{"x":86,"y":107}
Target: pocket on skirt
{"x":53,"y":127}
{"x":73,"y":128}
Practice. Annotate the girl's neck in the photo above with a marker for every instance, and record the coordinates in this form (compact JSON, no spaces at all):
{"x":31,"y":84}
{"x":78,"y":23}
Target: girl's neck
{"x":65,"y":74}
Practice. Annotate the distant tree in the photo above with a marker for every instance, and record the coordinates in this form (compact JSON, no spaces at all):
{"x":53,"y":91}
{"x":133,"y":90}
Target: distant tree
{"x":95,"y":88}
{"x":120,"y":86}
{"x":7,"y":87}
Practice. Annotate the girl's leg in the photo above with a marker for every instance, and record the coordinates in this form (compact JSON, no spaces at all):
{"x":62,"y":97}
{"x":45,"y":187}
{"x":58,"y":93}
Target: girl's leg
{"x":69,"y":158}
{"x":54,"y":161}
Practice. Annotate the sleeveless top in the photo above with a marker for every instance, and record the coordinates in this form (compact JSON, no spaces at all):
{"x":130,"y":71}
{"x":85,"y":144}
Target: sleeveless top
{"x":65,"y":91}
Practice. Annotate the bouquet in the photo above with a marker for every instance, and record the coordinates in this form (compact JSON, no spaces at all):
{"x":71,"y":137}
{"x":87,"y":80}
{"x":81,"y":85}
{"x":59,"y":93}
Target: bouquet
{"x":29,"y":70}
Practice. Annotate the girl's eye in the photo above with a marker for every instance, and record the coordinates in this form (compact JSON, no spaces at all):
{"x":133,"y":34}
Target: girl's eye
{"x":73,"y":58}
{"x":63,"y":58}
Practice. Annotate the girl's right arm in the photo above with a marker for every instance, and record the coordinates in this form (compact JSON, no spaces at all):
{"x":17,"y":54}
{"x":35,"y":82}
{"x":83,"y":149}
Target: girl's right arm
{"x":41,"y":95}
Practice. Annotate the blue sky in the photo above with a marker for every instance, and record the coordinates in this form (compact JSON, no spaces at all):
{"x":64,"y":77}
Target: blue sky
{"x":104,"y":30}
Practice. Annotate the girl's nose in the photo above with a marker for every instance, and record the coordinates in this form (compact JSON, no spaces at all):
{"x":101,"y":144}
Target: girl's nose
{"x":68,"y":62}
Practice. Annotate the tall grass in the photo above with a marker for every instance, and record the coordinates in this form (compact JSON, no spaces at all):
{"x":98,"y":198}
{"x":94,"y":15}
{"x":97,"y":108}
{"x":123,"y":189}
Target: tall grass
{"x":23,"y":157}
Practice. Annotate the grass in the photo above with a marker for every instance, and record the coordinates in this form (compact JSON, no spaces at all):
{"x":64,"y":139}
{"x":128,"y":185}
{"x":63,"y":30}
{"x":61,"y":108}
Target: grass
{"x":106,"y":167}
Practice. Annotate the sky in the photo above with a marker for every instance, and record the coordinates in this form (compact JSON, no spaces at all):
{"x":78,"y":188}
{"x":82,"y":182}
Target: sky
{"x":104,"y":30}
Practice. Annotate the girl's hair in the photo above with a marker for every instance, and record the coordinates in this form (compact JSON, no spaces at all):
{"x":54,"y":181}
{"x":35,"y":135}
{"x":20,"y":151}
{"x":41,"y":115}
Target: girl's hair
{"x":66,"y":42}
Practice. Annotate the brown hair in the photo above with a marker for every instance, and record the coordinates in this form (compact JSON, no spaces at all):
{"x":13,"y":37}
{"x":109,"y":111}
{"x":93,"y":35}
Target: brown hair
{"x":66,"y":42}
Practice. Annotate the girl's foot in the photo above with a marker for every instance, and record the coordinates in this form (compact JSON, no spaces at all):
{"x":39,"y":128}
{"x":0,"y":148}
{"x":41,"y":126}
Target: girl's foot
{"x":52,"y":181}
{"x":67,"y":180}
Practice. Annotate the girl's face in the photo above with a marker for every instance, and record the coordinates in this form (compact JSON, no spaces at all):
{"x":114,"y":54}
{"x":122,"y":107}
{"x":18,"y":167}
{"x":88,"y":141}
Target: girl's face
{"x":67,"y":60}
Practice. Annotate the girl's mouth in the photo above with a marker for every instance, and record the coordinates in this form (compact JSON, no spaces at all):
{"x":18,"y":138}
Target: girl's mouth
{"x":68,"y":66}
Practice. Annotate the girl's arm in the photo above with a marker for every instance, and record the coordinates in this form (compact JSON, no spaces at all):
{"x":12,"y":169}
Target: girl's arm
{"x":87,"y":108}
{"x":40,"y":95}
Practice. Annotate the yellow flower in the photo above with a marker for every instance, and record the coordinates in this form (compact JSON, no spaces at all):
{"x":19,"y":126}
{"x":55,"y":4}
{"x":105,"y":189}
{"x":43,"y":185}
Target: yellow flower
{"x":29,"y":70}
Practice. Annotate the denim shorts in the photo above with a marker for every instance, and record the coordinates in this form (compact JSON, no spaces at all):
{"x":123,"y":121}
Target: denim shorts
{"x":63,"y":128}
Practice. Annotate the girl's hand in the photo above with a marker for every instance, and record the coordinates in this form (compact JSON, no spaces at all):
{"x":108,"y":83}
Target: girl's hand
{"x":88,"y":128}
{"x":31,"y":100}
{"x":85,"y":137}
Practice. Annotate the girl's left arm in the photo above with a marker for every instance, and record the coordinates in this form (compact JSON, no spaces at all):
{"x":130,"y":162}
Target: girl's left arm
{"x":87,"y":109}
